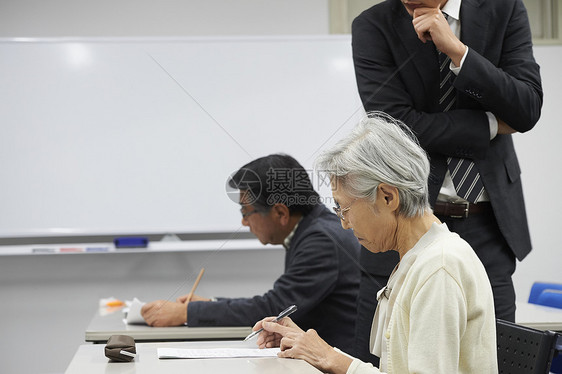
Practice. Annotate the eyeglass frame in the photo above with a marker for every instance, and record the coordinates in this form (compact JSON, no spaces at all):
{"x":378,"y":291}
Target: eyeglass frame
{"x":341,"y":211}
{"x":248,"y":214}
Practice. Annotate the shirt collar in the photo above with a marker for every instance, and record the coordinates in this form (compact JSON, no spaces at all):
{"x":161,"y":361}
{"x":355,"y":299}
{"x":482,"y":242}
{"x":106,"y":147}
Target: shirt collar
{"x":287,"y":241}
{"x":453,"y":9}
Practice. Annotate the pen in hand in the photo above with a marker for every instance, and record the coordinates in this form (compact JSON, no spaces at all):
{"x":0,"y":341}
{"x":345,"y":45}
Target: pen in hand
{"x":281,"y":315}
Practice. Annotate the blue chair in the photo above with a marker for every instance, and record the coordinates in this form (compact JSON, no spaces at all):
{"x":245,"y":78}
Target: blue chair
{"x":551,"y":298}
{"x":556,"y":366}
{"x":539,"y":287}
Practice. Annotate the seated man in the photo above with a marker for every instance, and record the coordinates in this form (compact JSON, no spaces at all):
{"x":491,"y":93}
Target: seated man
{"x":321,"y":276}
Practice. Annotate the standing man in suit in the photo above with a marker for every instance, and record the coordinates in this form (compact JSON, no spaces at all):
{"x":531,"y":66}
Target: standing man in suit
{"x":462,"y":75}
{"x":280,"y":206}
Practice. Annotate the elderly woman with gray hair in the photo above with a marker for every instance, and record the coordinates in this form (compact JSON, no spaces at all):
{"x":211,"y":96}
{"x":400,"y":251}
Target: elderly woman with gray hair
{"x":436,"y":314}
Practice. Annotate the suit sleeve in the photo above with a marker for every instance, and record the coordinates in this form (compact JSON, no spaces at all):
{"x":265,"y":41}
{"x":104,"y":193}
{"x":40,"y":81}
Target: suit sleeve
{"x":464,"y":132}
{"x":512,"y":89}
{"x":309,"y":277}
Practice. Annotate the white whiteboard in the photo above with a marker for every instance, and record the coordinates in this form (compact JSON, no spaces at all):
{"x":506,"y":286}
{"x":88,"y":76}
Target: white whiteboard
{"x":102,"y":136}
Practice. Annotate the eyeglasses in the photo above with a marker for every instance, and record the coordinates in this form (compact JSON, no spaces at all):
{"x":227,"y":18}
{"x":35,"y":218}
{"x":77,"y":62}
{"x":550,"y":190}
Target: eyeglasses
{"x":247,"y":214}
{"x":341,"y":211}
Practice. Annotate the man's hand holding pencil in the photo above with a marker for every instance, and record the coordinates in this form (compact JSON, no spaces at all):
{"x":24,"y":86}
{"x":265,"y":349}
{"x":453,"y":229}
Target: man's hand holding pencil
{"x":191,"y":295}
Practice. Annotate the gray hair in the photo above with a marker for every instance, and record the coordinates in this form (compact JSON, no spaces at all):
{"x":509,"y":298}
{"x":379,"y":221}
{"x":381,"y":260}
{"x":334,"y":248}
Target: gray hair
{"x":380,"y":149}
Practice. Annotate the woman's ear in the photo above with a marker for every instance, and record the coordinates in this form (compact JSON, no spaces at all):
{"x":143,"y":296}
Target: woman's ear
{"x":390,"y":196}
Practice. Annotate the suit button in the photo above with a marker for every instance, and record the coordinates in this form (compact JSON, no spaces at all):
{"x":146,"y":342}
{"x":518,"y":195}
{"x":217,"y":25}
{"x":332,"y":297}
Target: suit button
{"x":387,"y":334}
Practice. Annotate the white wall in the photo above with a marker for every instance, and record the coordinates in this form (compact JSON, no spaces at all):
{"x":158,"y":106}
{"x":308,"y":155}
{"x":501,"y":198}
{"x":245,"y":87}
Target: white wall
{"x":36,"y":18}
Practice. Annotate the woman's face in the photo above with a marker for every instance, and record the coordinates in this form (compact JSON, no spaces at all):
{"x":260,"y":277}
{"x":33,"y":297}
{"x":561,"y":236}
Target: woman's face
{"x":373,"y":224}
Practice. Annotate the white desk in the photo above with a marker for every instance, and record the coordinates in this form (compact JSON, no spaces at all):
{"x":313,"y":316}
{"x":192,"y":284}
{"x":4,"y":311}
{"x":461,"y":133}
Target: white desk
{"x":538,"y":316}
{"x":103,"y":326}
{"x":90,"y":359}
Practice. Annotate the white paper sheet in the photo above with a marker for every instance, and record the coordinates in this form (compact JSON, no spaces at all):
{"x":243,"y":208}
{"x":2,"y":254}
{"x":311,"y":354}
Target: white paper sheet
{"x":216,"y":352}
{"x":134,"y":314}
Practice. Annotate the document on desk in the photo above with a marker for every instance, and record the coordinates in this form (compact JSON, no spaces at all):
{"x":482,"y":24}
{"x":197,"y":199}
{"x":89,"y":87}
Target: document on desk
{"x":216,"y":352}
{"x":134,"y":316}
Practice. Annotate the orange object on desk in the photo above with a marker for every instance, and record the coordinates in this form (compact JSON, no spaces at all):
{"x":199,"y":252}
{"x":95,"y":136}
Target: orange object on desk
{"x":114,"y":303}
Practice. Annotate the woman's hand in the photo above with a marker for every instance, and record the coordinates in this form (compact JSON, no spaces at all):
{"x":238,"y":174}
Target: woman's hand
{"x":296,"y":343}
{"x":267,"y":339}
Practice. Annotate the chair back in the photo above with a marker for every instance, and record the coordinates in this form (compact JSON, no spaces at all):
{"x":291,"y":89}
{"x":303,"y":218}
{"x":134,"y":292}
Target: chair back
{"x":523,"y":350}
{"x":552,"y":298}
{"x":539,"y":287}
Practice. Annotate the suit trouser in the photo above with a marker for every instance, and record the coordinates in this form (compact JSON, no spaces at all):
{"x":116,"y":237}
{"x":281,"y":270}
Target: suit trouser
{"x":481,"y":231}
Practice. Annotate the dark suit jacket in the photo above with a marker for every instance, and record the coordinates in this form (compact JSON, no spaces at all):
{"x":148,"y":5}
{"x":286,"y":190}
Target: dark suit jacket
{"x":398,"y":74}
{"x":321,"y":277}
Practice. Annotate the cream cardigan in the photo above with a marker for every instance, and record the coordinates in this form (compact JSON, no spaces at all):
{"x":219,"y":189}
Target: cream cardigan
{"x":441,"y":312}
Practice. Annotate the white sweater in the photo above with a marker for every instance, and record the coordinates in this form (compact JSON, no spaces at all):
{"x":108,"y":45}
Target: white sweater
{"x":441,"y":312}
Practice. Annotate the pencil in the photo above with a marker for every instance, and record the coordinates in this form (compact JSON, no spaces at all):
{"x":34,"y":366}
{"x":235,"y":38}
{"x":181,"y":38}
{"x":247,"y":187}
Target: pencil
{"x":190,"y":295}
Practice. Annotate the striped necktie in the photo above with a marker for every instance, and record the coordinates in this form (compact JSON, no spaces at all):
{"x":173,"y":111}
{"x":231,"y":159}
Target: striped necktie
{"x":464,"y":172}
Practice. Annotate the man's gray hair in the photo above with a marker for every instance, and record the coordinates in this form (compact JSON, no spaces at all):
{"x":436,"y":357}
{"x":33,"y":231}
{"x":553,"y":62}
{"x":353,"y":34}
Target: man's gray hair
{"x":380,"y":149}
